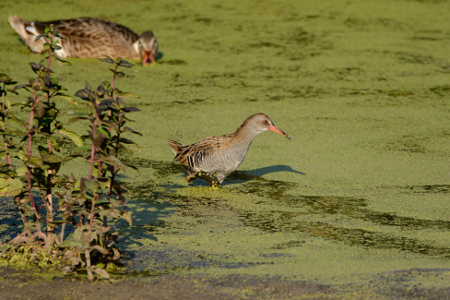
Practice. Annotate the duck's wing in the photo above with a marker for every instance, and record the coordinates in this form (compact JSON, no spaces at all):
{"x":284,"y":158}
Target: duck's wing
{"x":89,"y":28}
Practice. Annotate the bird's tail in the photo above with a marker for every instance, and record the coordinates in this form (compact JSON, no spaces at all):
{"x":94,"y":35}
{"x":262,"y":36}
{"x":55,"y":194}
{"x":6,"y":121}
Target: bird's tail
{"x":176,"y":147}
{"x":28,"y":32}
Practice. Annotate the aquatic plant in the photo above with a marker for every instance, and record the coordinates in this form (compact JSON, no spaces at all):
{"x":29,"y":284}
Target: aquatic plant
{"x":52,"y":204}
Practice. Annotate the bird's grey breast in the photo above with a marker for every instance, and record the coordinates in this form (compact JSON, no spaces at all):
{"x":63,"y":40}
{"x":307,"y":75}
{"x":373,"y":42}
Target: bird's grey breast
{"x":226,"y":160}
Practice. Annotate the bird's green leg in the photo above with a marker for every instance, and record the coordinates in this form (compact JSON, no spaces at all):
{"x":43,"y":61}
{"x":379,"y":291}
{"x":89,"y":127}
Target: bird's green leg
{"x":211,"y":178}
{"x":215,"y":185}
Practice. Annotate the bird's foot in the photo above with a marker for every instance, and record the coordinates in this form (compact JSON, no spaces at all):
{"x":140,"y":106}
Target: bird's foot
{"x":191,"y":177}
{"x":214,"y":183}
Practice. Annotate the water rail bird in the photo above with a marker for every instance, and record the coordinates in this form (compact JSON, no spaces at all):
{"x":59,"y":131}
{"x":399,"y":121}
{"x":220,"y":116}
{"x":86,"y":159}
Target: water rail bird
{"x":89,"y":37}
{"x":214,"y":158}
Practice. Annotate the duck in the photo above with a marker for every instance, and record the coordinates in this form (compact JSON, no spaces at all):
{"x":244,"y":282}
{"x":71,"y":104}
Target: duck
{"x":89,"y":38}
{"x":214,"y":158}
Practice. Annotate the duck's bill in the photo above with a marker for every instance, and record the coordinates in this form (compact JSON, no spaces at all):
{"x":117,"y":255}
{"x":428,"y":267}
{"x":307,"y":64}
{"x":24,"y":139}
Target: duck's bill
{"x":278,"y":130}
{"x":148,"y":58}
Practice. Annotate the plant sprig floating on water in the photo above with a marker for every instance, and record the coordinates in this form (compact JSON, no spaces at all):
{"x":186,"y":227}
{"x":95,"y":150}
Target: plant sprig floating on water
{"x":50,"y":204}
{"x":107,"y":118}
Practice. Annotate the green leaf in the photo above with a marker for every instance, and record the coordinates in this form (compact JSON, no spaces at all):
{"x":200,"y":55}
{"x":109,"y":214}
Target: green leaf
{"x":107,"y":60}
{"x":80,"y":151}
{"x":6,"y":79}
{"x":126,"y":215}
{"x":40,"y":36}
{"x":113,"y":161}
{"x":73,"y":136}
{"x":21,"y":171}
{"x":22,"y":86}
{"x":10,"y":187}
{"x":12,"y":91}
{"x":35,"y":162}
{"x":70,"y":243}
{"x":125,"y":64}
{"x":101,"y":273}
{"x":18,"y":121}
{"x":85,"y":94}
{"x":62,"y":60}
{"x":101,"y":249}
{"x":68,"y":98}
{"x":127,"y":141}
{"x":131,"y":109}
{"x":50,"y":157}
{"x":117,"y":73}
{"x":79,"y":118}
{"x":126,"y":128}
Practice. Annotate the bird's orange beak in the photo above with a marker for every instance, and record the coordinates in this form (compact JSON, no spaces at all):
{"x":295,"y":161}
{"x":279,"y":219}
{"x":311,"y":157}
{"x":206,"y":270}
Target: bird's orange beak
{"x":148,"y":57}
{"x":278,"y":130}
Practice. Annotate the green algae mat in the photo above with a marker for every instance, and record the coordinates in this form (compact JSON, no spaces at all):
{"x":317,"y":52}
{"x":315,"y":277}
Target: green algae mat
{"x":356,"y":204}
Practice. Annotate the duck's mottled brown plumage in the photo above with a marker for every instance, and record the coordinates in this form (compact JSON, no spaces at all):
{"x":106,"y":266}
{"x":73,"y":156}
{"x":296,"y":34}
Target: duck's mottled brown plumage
{"x":89,"y":37}
{"x":218,"y":156}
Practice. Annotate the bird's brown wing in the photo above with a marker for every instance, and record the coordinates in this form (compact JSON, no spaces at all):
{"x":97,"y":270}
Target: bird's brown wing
{"x":192,"y":156}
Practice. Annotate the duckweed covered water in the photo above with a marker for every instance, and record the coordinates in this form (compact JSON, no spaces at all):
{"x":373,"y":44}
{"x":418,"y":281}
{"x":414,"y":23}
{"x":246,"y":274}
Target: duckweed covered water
{"x":358,"y":197}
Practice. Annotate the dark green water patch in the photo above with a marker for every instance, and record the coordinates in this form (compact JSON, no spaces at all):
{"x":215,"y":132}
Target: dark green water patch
{"x":395,"y":93}
{"x":429,"y":189}
{"x":441,"y":90}
{"x":357,"y":209}
{"x":308,"y":91}
{"x":284,"y":210}
{"x":259,"y":186}
{"x":407,"y":143}
{"x":299,"y":36}
{"x":285,"y":222}
{"x":165,"y":260}
{"x":156,"y":106}
{"x":291,"y":210}
{"x":290,"y":244}
{"x":163,"y":168}
{"x":354,"y":208}
{"x":414,"y":58}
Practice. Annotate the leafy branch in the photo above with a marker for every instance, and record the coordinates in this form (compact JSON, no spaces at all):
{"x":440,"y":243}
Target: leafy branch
{"x":70,"y":216}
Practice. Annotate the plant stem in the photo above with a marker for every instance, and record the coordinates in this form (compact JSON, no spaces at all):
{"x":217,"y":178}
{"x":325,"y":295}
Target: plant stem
{"x":91,"y":159}
{"x":116,"y":154}
{"x":30,"y":135}
{"x":23,"y":217}
{"x":87,"y":253}
{"x":88,"y":242}
{"x":116,"y":146}
{"x":61,"y":236}
{"x":8,"y":157}
{"x":91,"y":176}
{"x":49,"y":206}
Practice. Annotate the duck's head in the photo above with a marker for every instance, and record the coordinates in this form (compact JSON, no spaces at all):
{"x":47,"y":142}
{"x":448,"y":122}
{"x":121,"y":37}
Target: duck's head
{"x":148,"y":47}
{"x":260,"y":122}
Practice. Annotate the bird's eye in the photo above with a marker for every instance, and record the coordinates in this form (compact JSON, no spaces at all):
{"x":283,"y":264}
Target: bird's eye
{"x":266,"y":122}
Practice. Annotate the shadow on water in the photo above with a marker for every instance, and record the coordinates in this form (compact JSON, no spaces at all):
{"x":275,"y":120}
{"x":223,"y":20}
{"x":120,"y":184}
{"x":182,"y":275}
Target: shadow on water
{"x":10,"y":223}
{"x":244,"y":176}
{"x":148,"y":214}
{"x":148,"y":208}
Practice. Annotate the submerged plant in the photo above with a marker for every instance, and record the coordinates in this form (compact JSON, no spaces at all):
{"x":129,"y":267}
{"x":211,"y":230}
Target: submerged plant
{"x":67,"y":217}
